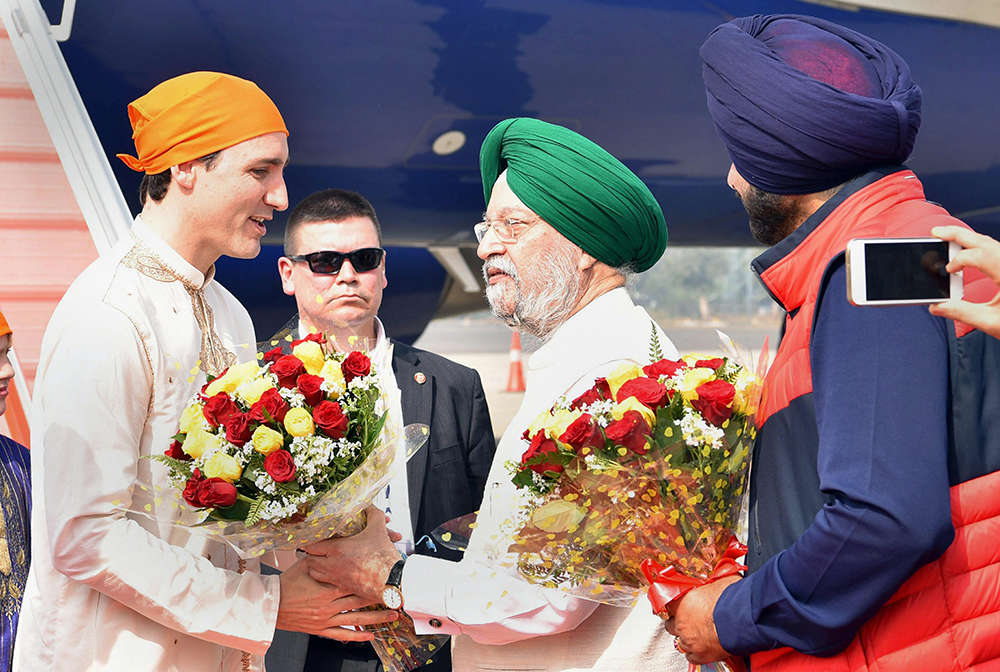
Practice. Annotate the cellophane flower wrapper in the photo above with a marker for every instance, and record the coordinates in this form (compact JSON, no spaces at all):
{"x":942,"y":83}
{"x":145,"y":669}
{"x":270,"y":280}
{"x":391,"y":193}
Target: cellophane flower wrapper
{"x":648,"y":465}
{"x":288,"y":450}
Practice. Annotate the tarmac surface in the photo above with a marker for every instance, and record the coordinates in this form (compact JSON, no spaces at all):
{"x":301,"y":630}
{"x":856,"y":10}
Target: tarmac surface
{"x":482,"y":342}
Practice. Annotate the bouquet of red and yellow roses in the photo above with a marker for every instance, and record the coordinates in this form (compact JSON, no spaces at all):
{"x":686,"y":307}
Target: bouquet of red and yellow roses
{"x":637,"y":484}
{"x":283,"y":452}
{"x":291,"y":450}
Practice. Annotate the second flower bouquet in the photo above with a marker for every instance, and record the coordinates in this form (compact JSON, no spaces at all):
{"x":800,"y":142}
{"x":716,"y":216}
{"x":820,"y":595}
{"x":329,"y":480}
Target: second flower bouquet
{"x":637,"y":484}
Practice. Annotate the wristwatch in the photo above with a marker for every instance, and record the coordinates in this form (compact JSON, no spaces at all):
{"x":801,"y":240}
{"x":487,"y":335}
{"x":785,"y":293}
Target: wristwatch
{"x":392,"y":596}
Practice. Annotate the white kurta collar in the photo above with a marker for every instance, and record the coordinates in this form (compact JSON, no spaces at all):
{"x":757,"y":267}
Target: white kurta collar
{"x":582,"y":329}
{"x":169,"y":257}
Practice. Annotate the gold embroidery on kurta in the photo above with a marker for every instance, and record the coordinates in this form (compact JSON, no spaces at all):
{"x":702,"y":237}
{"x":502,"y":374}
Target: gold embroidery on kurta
{"x":215,"y":357}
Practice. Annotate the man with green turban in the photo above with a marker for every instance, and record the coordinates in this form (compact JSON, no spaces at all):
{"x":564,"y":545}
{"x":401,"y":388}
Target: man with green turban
{"x":565,"y":224}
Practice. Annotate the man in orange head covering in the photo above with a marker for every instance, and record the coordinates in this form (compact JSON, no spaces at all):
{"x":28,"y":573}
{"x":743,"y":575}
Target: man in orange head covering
{"x":15,"y":512}
{"x":129,"y":344}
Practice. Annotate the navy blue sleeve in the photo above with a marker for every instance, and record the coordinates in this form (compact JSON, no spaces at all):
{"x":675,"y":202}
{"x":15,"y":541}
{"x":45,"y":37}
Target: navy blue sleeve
{"x":880,"y":386}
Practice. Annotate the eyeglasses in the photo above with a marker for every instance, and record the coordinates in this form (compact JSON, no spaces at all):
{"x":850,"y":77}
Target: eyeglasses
{"x":328,"y":262}
{"x":504,"y":229}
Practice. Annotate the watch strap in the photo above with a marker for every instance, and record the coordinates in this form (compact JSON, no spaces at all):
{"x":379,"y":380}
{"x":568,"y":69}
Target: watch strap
{"x":396,"y":574}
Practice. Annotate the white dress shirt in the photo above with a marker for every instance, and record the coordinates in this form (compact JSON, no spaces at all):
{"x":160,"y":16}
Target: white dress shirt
{"x":485,"y":606}
{"x":394,"y":498}
{"x":108,"y":590}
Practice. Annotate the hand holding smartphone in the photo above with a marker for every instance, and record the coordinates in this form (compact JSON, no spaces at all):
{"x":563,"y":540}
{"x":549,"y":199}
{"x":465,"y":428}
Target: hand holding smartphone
{"x":901,"y":271}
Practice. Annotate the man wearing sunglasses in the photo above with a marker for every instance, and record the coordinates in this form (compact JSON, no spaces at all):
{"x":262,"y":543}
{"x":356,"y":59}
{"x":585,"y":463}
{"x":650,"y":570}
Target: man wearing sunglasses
{"x":335,"y":268}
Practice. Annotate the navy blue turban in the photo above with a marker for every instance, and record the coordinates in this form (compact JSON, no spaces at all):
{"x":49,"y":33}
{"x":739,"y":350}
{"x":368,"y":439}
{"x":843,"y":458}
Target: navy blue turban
{"x":804,"y":104}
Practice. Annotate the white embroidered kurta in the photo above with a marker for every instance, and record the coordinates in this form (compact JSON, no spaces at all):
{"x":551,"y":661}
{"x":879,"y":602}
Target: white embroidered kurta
{"x":486,"y":607}
{"x":110,"y":591}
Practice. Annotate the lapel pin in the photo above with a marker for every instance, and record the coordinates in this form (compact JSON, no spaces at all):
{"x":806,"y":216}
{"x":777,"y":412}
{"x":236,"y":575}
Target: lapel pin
{"x":420,"y":378}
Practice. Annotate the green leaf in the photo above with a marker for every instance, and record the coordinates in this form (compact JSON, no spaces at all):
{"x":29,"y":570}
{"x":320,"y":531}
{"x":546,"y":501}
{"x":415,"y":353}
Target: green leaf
{"x":253,"y":514}
{"x":655,"y":352}
{"x":237,"y":511}
{"x":180,"y":467}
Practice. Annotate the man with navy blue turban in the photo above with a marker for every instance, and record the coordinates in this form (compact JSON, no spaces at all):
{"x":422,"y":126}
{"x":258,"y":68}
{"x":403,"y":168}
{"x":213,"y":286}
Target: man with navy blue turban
{"x":874,"y":473}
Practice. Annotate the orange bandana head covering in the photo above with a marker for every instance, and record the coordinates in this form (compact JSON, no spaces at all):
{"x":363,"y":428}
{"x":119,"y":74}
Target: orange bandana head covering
{"x":4,"y":327}
{"x":190,"y":116}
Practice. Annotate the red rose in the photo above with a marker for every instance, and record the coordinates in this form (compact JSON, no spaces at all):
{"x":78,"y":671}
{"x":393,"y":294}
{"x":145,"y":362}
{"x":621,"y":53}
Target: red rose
{"x":272,"y":355}
{"x":191,"y":489}
{"x":603,"y":388}
{"x":715,"y":401}
{"x":330,"y":419}
{"x":541,"y":446}
{"x":600,"y":391}
{"x":631,"y":431}
{"x":713,"y":363}
{"x":583,"y":432}
{"x":646,"y":390}
{"x":239,"y":428}
{"x":318,"y":338}
{"x":664,"y":367}
{"x":272,"y":402}
{"x":309,"y":386}
{"x":216,"y":493}
{"x":355,"y":366}
{"x":175,"y":451}
{"x":219,"y":409}
{"x":288,"y":368}
{"x":280,"y":466}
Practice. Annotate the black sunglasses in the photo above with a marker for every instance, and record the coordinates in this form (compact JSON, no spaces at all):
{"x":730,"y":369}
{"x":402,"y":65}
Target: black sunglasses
{"x":329,"y":262}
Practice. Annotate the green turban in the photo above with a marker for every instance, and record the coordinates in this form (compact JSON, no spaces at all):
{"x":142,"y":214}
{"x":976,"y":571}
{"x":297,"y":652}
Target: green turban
{"x":583,"y":192}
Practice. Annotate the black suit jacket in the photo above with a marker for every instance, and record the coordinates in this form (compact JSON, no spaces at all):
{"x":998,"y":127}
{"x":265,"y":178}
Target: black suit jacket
{"x":445,"y":477}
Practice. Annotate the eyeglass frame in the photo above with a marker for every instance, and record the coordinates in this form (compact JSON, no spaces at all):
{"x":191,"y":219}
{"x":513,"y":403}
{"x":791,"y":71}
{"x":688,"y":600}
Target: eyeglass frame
{"x":342,"y":256}
{"x":485,"y":226}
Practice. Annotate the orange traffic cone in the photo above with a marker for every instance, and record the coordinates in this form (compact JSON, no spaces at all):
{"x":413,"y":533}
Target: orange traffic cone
{"x":515,"y":378}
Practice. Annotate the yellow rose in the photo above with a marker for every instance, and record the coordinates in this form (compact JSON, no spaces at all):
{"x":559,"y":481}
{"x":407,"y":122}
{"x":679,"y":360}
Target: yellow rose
{"x":265,"y":440}
{"x":633,"y":404}
{"x":221,"y":465}
{"x":232,"y":378}
{"x":541,"y":421}
{"x":191,"y":418}
{"x":556,"y":424}
{"x":622,"y":375}
{"x":747,"y":392}
{"x":558,"y":516}
{"x":692,"y":379}
{"x":198,"y":442}
{"x":251,"y":390}
{"x":298,"y":422}
{"x":311,"y":354}
{"x":334,"y":377}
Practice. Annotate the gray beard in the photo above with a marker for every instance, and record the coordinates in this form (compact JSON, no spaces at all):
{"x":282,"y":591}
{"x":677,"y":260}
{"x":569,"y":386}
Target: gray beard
{"x":538,"y":313}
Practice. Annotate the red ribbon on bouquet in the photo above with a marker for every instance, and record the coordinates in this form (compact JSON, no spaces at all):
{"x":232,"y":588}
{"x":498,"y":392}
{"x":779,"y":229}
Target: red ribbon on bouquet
{"x":668,"y":584}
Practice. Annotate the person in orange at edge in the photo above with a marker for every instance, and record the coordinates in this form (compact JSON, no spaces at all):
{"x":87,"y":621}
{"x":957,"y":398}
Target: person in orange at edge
{"x":111,"y":588}
{"x":15,"y":502}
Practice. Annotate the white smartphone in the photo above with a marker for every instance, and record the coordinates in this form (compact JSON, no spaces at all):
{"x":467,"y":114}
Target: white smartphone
{"x":901,"y":271}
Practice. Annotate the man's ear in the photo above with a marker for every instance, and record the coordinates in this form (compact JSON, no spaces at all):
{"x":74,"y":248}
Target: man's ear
{"x":183,"y":175}
{"x":586,"y":262}
{"x":285,"y":273}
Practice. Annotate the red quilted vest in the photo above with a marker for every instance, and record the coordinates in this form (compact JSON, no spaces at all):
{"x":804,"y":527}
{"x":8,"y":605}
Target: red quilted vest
{"x":946,"y":617}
